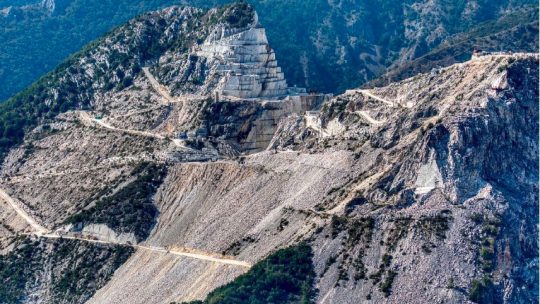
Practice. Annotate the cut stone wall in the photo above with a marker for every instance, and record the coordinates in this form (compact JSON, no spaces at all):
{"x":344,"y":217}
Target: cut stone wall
{"x":264,"y":127}
{"x":246,"y":62}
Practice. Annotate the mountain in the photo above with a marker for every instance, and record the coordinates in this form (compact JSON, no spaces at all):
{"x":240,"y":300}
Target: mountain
{"x":326,"y":46}
{"x":513,"y":32}
{"x":172,"y":161}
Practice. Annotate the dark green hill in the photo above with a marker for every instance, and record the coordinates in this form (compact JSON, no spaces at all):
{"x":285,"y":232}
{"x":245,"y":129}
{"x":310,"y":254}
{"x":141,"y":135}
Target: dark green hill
{"x":516,"y":32}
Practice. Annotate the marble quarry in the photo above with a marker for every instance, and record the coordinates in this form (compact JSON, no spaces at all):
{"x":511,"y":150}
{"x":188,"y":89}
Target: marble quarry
{"x":246,"y":63}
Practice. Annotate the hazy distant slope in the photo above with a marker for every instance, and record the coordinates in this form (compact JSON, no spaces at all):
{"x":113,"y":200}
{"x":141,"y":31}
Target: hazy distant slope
{"x":324,"y":45}
{"x":514,"y":32}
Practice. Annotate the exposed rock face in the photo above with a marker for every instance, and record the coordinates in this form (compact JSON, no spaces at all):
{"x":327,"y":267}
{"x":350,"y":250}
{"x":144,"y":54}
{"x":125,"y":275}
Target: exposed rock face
{"x":415,"y":210}
{"x":451,"y":192}
{"x":231,"y":62}
{"x":103,"y":232}
{"x":251,"y":124}
{"x":246,"y":62}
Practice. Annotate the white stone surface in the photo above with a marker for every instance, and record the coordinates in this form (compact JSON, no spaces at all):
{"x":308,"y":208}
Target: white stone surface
{"x":103,"y":232}
{"x":247,"y":63}
{"x":429,"y":176}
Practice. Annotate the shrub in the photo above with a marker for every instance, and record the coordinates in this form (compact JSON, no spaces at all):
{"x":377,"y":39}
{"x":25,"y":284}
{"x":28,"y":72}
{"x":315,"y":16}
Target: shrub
{"x":287,"y":276}
{"x":481,"y":291}
{"x":386,"y":286}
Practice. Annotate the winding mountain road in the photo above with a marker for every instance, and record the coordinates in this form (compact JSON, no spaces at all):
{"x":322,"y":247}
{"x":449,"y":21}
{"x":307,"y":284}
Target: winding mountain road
{"x":371,"y":95}
{"x":210,"y":257}
{"x":42,"y":232}
{"x":87,"y":120}
{"x":165,"y":93}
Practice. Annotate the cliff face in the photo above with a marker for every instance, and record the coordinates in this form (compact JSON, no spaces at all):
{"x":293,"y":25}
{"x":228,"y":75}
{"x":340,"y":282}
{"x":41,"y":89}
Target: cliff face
{"x":247,"y":62}
{"x":421,"y":191}
{"x":457,"y":145}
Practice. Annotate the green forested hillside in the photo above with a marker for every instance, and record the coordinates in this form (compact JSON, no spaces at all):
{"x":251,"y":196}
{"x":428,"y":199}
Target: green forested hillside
{"x":285,"y":277}
{"x":76,"y":269}
{"x":516,"y":32}
{"x":34,"y":40}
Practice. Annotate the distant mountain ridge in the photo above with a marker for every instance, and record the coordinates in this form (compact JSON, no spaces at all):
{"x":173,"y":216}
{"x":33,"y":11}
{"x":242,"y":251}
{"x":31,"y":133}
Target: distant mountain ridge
{"x":515,"y":32}
{"x":326,"y":46}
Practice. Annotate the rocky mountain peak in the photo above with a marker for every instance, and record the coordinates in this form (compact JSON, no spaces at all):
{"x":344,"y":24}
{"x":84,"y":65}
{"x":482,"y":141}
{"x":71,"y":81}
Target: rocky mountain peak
{"x":232,"y":59}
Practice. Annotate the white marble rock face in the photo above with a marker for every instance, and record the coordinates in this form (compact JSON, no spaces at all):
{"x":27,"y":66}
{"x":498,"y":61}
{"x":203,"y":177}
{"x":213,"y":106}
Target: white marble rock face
{"x":246,"y":63}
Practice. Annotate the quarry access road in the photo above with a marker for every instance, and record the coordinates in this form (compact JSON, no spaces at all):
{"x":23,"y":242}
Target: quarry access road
{"x":85,"y":117}
{"x":42,"y":232}
{"x":138,"y":112}
{"x":87,"y":120}
{"x":366,"y":116}
{"x":371,"y":95}
{"x":164,"y":92}
{"x":19,"y":209}
{"x":189,"y":253}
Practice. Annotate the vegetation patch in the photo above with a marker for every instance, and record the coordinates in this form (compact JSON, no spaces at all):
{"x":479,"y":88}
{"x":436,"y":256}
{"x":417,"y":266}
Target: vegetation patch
{"x":435,"y":226}
{"x":359,"y":234}
{"x":386,"y":285}
{"x":131,"y":209}
{"x":490,"y":230}
{"x":482,"y":291}
{"x":234,"y":248}
{"x":286,"y":276}
{"x":239,"y":14}
{"x":73,"y":271}
{"x":398,"y":232}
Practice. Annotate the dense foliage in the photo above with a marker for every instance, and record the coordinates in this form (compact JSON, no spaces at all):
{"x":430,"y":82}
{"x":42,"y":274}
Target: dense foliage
{"x":15,"y":272}
{"x":286,"y":276}
{"x":482,"y":291}
{"x":131,"y":209}
{"x":318,"y":42}
{"x":35,"y":41}
{"x":76,"y":269}
{"x":517,"y":32}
